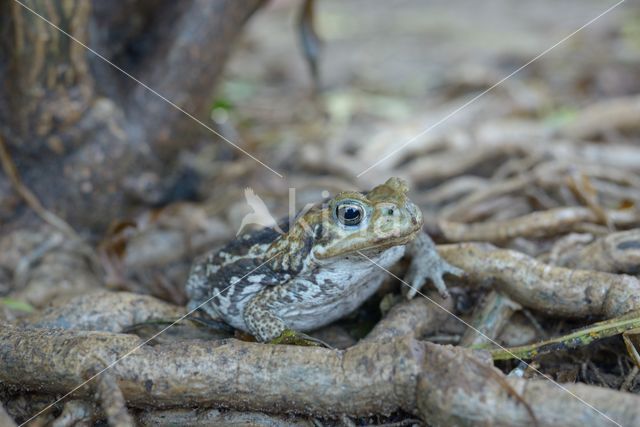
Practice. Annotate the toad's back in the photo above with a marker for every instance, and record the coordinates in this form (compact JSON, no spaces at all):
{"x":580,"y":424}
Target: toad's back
{"x":221,"y":282}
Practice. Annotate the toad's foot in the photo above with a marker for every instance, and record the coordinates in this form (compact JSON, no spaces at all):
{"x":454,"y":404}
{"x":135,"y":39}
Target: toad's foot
{"x":291,"y":337}
{"x":426,"y":263}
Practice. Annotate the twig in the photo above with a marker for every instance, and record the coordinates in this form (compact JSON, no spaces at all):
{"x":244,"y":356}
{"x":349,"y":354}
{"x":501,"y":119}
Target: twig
{"x":628,"y":381}
{"x":576,"y":339}
{"x":29,"y":198}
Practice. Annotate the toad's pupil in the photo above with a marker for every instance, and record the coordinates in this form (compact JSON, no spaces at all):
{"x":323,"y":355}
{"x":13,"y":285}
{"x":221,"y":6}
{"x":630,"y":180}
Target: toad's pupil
{"x":351,"y":213}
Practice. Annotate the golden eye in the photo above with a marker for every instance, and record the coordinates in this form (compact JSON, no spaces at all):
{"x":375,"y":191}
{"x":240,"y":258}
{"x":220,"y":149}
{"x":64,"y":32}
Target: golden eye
{"x":349,"y":213}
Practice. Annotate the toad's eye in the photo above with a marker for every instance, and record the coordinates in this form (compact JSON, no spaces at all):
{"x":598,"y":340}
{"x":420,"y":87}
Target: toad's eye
{"x":349,"y":213}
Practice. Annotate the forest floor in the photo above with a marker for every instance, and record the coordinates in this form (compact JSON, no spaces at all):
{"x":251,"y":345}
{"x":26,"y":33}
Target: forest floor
{"x":499,"y":114}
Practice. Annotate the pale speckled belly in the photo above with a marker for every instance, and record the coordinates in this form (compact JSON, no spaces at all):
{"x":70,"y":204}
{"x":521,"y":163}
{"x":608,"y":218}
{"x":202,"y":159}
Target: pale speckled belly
{"x":337,"y":290}
{"x":305,"y":317}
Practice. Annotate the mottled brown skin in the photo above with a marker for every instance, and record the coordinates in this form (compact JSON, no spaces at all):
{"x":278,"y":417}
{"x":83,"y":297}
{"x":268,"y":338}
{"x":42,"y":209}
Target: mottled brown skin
{"x":330,"y":261}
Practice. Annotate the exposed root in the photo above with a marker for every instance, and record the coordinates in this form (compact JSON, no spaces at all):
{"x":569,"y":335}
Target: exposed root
{"x":552,"y":290}
{"x":439,"y":383}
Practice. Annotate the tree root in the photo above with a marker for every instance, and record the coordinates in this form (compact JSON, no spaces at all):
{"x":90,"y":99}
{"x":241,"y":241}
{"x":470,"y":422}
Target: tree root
{"x":104,"y":311}
{"x":489,"y":318}
{"x":417,"y":318}
{"x":556,"y":291}
{"x":535,"y":224}
{"x":76,"y":413}
{"x":447,"y":385}
{"x":112,"y":401}
{"x":614,"y":253}
{"x":197,"y":418}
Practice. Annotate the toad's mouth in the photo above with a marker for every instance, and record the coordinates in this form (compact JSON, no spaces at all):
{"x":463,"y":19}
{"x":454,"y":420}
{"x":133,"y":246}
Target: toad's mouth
{"x":366,"y":247}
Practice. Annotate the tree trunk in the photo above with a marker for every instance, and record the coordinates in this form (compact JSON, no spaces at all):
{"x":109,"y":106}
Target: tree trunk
{"x":79,"y":131}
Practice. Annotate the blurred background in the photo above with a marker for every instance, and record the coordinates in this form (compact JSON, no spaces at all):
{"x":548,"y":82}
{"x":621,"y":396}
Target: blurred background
{"x":391,"y":70}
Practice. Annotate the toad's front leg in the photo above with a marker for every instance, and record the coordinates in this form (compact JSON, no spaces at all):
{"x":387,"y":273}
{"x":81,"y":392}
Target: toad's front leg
{"x":260,"y":319}
{"x":266,"y":326}
{"x":426,"y":263}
